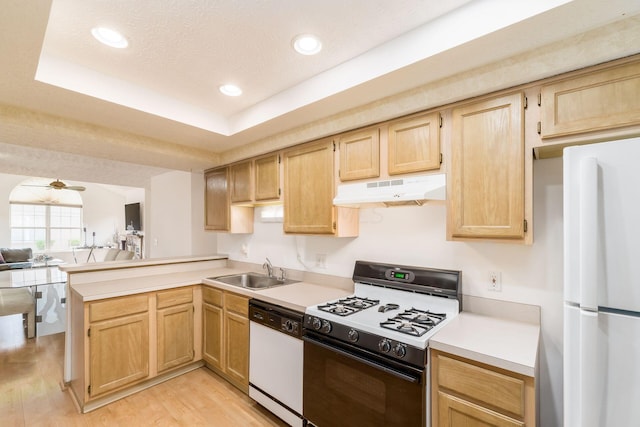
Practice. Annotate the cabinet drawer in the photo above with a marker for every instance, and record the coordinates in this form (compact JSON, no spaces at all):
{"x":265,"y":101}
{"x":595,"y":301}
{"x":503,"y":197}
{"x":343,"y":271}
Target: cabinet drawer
{"x":236,"y":303}
{"x":491,"y":388}
{"x":174,"y":297}
{"x":212,"y":296}
{"x":117,"y":307}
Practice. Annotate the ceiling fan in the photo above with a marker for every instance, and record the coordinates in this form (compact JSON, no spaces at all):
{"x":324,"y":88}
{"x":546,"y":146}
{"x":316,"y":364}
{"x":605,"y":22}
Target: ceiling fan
{"x":59,"y":185}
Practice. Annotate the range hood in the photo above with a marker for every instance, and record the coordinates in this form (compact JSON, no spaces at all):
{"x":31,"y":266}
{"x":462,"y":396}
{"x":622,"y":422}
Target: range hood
{"x":391,"y":192}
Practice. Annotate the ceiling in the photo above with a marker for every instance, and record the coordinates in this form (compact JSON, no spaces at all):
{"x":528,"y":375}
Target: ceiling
{"x":75,"y":109}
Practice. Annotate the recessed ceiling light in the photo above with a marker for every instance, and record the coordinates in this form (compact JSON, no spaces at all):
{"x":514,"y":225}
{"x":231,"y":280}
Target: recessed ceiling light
{"x":307,"y":44}
{"x":110,"y":37}
{"x":231,"y":90}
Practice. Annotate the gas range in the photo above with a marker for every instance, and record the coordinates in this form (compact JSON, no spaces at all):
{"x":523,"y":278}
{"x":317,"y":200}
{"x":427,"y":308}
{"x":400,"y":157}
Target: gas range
{"x":393,"y":312}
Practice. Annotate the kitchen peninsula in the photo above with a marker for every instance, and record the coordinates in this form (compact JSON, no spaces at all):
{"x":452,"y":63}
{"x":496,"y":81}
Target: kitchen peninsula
{"x":148,"y":305}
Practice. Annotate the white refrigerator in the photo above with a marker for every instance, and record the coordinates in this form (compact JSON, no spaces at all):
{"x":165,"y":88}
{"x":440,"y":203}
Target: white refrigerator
{"x":602,"y":284}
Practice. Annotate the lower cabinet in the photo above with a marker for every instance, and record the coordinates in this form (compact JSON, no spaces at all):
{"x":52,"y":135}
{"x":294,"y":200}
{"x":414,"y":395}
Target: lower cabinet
{"x":226,"y":335}
{"x":119,"y":353}
{"x":470,"y":393}
{"x":175,"y":328}
{"x":130,"y":340}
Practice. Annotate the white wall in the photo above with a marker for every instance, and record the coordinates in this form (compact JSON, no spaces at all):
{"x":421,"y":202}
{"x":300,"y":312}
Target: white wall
{"x":416,"y":236}
{"x":175,"y":211}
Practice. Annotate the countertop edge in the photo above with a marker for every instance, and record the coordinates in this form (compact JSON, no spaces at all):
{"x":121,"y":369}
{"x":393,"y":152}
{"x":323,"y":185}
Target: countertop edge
{"x":116,"y":265}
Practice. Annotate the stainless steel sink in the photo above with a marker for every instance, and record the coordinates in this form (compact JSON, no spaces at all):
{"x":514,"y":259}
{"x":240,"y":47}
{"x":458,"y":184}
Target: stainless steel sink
{"x":252,"y":280}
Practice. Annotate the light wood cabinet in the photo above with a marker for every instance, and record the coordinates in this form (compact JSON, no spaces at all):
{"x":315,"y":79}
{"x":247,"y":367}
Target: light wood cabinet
{"x":267,"y":178}
{"x":124,"y":344}
{"x":236,"y":335}
{"x":216,"y":200}
{"x":220,"y":215}
{"x":414,"y":144}
{"x":359,"y":154}
{"x":604,"y":99}
{"x":309,"y":190}
{"x":118,"y":337}
{"x":255,"y":181}
{"x":486,"y":185}
{"x":212,"y":328}
{"x":175,"y":328}
{"x":226,"y":335}
{"x":466,"y":392}
{"x":241,"y":182}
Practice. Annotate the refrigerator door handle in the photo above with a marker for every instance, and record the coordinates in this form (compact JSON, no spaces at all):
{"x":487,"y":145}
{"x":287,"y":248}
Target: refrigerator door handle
{"x":588,"y":233}
{"x":590,"y":370}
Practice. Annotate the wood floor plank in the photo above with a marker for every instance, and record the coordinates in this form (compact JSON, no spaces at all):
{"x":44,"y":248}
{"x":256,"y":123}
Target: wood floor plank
{"x":31,"y":396}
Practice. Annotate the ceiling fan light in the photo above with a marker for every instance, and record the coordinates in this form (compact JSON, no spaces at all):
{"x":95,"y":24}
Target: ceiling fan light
{"x":110,"y":37}
{"x":307,"y":44}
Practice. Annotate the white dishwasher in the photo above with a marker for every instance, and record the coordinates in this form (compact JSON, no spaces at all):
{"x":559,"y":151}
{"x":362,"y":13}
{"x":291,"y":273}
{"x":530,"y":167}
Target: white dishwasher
{"x":275,"y":360}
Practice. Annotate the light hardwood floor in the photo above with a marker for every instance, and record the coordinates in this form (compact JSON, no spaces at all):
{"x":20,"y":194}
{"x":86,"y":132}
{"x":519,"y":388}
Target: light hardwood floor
{"x":31,"y":393}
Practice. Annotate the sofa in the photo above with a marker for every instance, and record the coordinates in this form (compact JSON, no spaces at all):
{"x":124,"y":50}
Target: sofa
{"x":15,"y":258}
{"x":18,"y":300}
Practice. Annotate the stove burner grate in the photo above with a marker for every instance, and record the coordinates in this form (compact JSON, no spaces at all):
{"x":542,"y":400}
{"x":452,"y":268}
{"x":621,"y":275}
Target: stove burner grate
{"x":349,"y":305}
{"x":413,"y":321}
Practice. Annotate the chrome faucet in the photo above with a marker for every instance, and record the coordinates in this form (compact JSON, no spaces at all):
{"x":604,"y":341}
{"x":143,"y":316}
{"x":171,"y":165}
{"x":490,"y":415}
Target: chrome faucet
{"x":269,"y":267}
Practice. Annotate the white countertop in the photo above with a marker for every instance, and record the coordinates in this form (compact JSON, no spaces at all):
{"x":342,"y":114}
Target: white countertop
{"x":502,"y":343}
{"x":295,"y":296}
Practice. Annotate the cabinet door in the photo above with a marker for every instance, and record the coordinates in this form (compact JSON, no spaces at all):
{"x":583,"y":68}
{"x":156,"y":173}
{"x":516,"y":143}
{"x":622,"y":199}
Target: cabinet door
{"x":240,"y":180}
{"x":360,"y":155}
{"x":453,"y":411}
{"x":267,"y":178}
{"x":212,"y":331}
{"x":237,"y":348}
{"x":175,"y":336}
{"x":414,"y":144}
{"x":604,"y":99}
{"x":309,"y":188}
{"x":216,"y":200}
{"x":486,"y":197}
{"x":118,"y":352}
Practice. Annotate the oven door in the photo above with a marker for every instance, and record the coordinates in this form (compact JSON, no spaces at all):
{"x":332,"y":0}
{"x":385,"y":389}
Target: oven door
{"x":346,"y":386}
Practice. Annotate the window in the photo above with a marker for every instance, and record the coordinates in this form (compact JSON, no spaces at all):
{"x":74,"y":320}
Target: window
{"x":44,"y":227}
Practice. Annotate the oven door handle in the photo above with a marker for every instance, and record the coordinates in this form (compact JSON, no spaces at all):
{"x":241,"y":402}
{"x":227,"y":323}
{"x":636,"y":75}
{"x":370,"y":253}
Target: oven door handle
{"x":395,"y":373}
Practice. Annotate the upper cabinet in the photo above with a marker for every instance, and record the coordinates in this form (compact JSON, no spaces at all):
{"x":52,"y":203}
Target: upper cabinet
{"x":403,"y":146}
{"x":486,"y":186}
{"x":604,"y":99}
{"x":219,"y":214}
{"x":309,"y":190}
{"x":267,"y":178}
{"x":216,"y":200}
{"x":255,"y":181}
{"x":241,"y":182}
{"x":359,"y":154}
{"x":414,"y":144}
{"x":585,"y":106}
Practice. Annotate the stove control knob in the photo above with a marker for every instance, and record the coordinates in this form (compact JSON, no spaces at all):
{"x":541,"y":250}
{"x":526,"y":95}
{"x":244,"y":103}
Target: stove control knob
{"x":384,"y":345}
{"x":288,"y":326}
{"x":400,"y":350}
{"x":316,"y":324}
{"x":353,"y":335}
{"x":326,"y":327}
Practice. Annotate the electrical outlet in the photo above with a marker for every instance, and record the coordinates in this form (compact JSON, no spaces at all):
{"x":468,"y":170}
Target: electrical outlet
{"x":321,"y":260}
{"x":495,"y":281}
